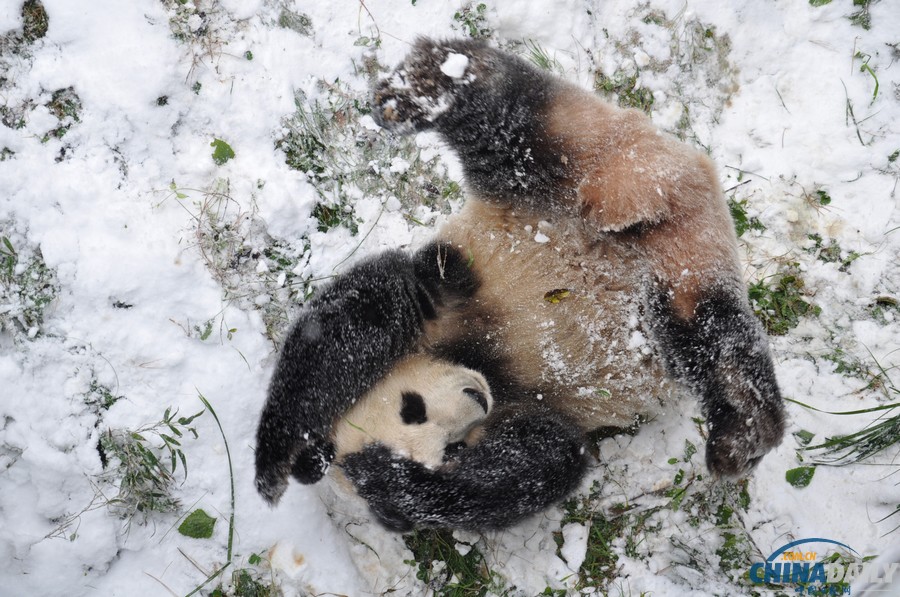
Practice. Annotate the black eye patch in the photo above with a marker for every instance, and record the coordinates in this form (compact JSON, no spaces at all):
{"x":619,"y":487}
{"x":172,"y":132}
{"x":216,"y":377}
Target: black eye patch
{"x":412,"y":411}
{"x":478,"y":397}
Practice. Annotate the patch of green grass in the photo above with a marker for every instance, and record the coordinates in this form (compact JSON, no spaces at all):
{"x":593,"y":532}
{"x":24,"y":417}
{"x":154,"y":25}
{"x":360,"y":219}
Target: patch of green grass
{"x":189,"y":21}
{"x":35,"y":21}
{"x":248,"y":582}
{"x":621,"y":527}
{"x":332,"y":216}
{"x":779,"y":301}
{"x":471,"y":19}
{"x":13,"y":117}
{"x":849,"y":365}
{"x":743,"y":222}
{"x":65,"y":105}
{"x":343,"y":160}
{"x":884,"y":309}
{"x":449,"y":568}
{"x":143,"y":463}
{"x":862,"y":17}
{"x":878,"y":436}
{"x":296,"y":22}
{"x":734,"y":553}
{"x":881,"y":434}
{"x":624,"y":89}
{"x":831,"y":252}
{"x":536,"y":53}
{"x":678,"y":491}
{"x":100,"y":397}
{"x":704,"y":79}
{"x":254,"y":270}
{"x":27,"y":286}
{"x":715,"y":510}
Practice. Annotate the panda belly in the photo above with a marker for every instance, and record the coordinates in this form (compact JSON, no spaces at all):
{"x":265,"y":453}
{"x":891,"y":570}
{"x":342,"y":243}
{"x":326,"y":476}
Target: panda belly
{"x":562,"y":307}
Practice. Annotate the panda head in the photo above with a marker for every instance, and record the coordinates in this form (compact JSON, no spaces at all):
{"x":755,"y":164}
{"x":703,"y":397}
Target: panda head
{"x":424,"y":409}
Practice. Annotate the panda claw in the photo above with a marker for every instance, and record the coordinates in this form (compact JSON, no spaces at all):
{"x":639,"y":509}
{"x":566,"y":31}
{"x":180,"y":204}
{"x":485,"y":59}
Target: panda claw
{"x":271,"y":486}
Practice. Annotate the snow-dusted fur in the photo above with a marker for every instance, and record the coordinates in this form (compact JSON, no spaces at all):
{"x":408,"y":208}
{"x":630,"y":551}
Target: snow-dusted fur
{"x":594,"y":262}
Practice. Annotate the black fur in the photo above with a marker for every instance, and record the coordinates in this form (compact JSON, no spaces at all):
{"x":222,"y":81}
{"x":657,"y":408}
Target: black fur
{"x":412,"y":410}
{"x":722,"y":353}
{"x":493,"y":121}
{"x":344,"y":340}
{"x":527,"y":461}
{"x":444,"y":273}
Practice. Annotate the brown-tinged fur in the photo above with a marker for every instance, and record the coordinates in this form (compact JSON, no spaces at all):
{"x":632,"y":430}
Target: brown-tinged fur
{"x":565,"y":310}
{"x":629,"y":175}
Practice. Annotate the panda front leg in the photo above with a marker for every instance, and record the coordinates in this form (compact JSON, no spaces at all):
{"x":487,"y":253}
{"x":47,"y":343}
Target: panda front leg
{"x":343,"y":341}
{"x":489,"y":106}
{"x":525,"y":462}
{"x":526,"y":138}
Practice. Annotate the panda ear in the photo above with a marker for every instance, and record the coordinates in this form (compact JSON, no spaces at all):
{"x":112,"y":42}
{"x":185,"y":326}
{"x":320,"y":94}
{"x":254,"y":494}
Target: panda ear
{"x":412,"y":411}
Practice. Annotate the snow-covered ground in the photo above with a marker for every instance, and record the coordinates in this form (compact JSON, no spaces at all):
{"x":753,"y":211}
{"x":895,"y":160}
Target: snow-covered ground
{"x":138,"y":273}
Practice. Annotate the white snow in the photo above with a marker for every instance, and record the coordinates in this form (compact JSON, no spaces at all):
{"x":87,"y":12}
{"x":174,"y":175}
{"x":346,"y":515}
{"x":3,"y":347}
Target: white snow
{"x":114,"y":204}
{"x":455,"y":65}
{"x":575,"y":541}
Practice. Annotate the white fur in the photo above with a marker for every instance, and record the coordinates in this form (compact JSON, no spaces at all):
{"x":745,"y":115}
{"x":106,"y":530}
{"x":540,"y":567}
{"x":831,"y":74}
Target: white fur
{"x":453,"y":416}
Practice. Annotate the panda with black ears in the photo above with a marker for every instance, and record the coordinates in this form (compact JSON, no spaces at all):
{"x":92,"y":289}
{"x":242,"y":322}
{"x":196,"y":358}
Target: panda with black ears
{"x":592,"y":269}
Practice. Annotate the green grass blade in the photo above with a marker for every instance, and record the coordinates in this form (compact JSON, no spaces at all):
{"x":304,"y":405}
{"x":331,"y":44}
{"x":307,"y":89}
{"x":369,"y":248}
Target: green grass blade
{"x":230,"y":474}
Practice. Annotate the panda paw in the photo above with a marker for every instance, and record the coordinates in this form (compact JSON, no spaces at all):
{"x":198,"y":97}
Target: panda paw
{"x":424,"y":85}
{"x":306,"y":462}
{"x":312,"y":462}
{"x":380,"y":478}
{"x":445,"y":272}
{"x":738,"y":441}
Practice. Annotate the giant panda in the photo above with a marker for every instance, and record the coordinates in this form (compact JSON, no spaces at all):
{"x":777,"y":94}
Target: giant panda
{"x":592,"y":270}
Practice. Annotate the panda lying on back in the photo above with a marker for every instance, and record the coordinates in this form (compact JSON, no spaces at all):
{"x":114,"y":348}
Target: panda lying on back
{"x":585,"y":232}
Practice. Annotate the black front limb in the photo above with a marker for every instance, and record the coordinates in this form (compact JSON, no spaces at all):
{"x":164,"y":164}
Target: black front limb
{"x":344,"y":340}
{"x":494,"y":117}
{"x":524,"y":464}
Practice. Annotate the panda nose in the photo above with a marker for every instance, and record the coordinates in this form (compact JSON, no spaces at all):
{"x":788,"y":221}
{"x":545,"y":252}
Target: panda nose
{"x":478,"y":396}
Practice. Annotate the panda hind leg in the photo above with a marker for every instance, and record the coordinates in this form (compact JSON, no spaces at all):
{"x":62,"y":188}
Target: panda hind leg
{"x":721,"y":352}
